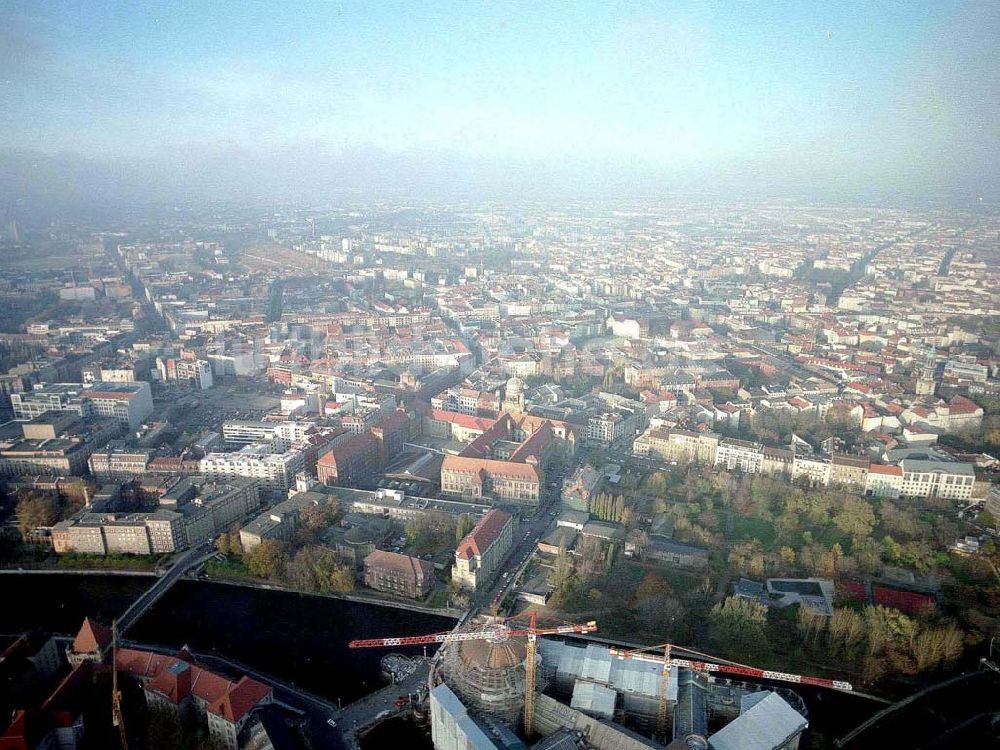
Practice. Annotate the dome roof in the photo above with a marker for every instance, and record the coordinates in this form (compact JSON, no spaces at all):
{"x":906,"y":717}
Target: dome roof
{"x":514,"y":386}
{"x":481,"y":654}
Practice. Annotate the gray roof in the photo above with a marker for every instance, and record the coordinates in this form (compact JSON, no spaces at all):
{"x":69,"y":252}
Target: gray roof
{"x":475,"y":737}
{"x":593,"y":698}
{"x":595,"y":662}
{"x":603,"y":530}
{"x":938,"y":467}
{"x":767,"y":725}
{"x":670,"y":547}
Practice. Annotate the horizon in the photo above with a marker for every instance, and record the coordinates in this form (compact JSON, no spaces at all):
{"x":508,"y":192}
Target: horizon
{"x":847,"y":104}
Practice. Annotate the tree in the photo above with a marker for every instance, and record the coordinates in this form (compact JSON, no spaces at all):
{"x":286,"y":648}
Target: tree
{"x":164,"y":731}
{"x":35,"y":510}
{"x":661,"y":614}
{"x":854,"y":517}
{"x":565,"y":582}
{"x":592,"y":558}
{"x":432,"y":531}
{"x":266,"y":559}
{"x":812,"y":624}
{"x":650,"y":586}
{"x":229,"y":543}
{"x":738,"y":626}
{"x":747,"y":558}
{"x":463,"y":526}
{"x":935,"y":646}
{"x":845,"y":632}
{"x":222,"y":543}
{"x":316,"y":568}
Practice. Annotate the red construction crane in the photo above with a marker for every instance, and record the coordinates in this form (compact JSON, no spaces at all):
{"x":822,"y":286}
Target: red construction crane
{"x":495,"y":631}
{"x":667,"y":660}
{"x":704,"y":666}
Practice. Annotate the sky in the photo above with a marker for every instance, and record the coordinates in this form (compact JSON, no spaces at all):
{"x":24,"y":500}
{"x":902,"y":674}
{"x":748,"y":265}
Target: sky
{"x":873,"y":95}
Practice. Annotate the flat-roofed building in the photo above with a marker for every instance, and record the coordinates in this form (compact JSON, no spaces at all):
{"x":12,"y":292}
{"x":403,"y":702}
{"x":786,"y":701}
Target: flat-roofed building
{"x":115,"y":461}
{"x":279,"y":521}
{"x":274,"y":471}
{"x":49,"y":397}
{"x":740,"y":454}
{"x":55,"y":444}
{"x":949,"y":480}
{"x":451,"y":726}
{"x":814,"y":469}
{"x":129,"y":403}
{"x":192,"y":511}
{"x":682,"y":446}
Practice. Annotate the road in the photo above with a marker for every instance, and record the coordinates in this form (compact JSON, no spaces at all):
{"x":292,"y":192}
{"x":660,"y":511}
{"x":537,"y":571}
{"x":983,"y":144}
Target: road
{"x":361,"y":715}
{"x":526,"y":540}
{"x":190,"y":559}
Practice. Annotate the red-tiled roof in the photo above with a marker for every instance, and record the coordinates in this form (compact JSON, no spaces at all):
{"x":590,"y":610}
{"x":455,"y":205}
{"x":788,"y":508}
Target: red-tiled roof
{"x":889,"y":471}
{"x":362,"y":443}
{"x":467,"y":421}
{"x":175,"y":679}
{"x":93,"y":637}
{"x":209,"y":686}
{"x":467,"y":465}
{"x":236,"y":703}
{"x":483,"y":534}
{"x":403,"y":564}
{"x":962,"y":405}
{"x":173,"y":682}
{"x":144,"y":664}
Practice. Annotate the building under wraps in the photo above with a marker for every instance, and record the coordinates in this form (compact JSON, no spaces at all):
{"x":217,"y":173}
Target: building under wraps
{"x":488,"y":677}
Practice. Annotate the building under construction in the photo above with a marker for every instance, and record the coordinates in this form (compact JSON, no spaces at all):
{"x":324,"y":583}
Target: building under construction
{"x":594,"y":696}
{"x":488,"y":677}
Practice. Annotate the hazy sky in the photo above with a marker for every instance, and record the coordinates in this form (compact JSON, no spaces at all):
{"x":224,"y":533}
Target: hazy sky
{"x":897,"y":92}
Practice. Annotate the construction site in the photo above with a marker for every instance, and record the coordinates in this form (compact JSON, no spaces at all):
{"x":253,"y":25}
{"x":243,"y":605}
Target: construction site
{"x":499,"y":685}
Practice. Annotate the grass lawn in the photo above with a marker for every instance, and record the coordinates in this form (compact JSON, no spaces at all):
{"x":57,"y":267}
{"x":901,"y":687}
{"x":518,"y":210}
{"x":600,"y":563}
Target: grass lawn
{"x":231,"y":567}
{"x":437,"y":598}
{"x":77,"y":561}
{"x":747,"y":528}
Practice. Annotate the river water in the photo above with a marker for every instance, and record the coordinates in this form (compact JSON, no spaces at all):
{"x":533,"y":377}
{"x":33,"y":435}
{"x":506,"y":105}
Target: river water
{"x":298,"y":638}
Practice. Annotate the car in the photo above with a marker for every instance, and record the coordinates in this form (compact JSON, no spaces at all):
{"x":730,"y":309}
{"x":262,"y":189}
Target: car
{"x":332,"y":722}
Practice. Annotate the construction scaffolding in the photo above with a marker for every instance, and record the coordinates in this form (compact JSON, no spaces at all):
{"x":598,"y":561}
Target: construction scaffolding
{"x":488,"y":677}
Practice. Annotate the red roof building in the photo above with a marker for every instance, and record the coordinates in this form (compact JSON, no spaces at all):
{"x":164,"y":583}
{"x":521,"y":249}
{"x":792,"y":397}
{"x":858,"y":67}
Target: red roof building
{"x":398,"y":574}
{"x":480,"y":554}
{"x":91,"y":643}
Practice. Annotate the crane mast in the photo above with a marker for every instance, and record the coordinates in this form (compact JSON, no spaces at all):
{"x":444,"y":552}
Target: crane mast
{"x":496,"y":631}
{"x":529,"y":680}
{"x":116,"y":695}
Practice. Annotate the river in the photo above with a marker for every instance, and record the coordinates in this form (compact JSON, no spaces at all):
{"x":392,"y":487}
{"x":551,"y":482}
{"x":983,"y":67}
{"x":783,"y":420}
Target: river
{"x":298,"y":638}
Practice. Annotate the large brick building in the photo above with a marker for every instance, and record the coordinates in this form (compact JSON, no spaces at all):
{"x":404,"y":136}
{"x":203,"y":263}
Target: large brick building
{"x":361,"y":456}
{"x":507,"y":461}
{"x":488,"y":479}
{"x":351,"y":462}
{"x":398,"y":574}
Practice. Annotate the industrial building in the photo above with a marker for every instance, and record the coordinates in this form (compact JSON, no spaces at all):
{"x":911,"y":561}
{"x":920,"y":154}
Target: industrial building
{"x":595,"y":696}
